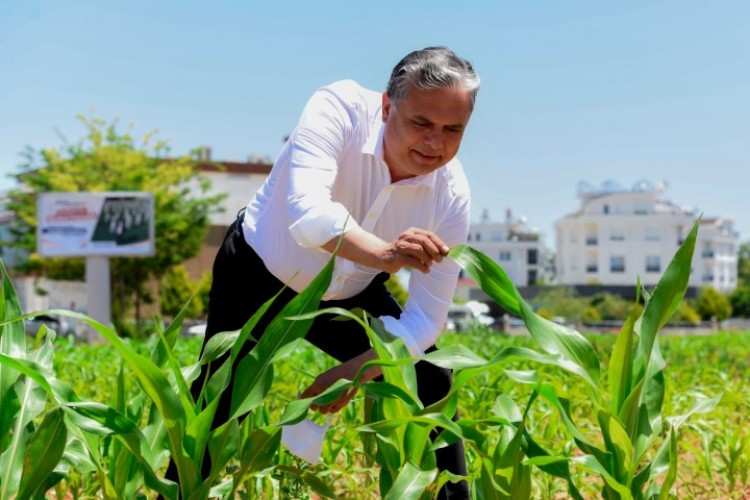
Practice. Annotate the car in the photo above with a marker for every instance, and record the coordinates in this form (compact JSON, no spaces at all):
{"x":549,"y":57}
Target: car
{"x":60,"y":324}
{"x":198,"y":330}
{"x":463,"y":317}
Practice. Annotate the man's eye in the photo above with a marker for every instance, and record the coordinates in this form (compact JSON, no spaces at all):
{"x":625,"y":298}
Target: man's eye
{"x":420,"y":124}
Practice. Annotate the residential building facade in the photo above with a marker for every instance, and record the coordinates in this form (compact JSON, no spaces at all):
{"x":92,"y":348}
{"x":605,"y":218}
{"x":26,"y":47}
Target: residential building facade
{"x":619,"y":235}
{"x":512,"y":244}
{"x":238,"y":181}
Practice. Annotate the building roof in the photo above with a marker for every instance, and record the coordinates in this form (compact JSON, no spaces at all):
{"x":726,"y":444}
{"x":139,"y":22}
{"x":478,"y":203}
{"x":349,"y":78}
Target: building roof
{"x":234,"y":167}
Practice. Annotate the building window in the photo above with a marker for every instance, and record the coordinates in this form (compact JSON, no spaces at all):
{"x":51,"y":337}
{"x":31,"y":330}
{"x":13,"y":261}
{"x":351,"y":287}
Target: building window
{"x":532,"y":256}
{"x":591,"y":240}
{"x":469,"y":238}
{"x":591,"y":266}
{"x":652,"y":234}
{"x":479,"y":236}
{"x":505,"y":256}
{"x":617,"y":264}
{"x":606,"y":209}
{"x":617,"y":234}
{"x":708,"y":253}
{"x":653,"y":264}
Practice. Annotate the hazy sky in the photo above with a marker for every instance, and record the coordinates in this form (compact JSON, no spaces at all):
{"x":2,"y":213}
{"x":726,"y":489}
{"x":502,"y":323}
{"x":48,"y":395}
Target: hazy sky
{"x":572,"y":91}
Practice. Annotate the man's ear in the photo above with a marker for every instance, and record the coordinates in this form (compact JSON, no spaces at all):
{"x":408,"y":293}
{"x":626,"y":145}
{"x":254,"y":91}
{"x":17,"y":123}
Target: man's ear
{"x":386,"y":106}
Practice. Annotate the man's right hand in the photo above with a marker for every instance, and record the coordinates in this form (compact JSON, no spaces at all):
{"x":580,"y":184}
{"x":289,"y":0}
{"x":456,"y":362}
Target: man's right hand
{"x":414,"y":249}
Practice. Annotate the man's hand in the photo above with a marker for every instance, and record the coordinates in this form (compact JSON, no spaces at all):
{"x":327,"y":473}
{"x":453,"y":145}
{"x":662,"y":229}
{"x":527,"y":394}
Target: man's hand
{"x":414,"y":248}
{"x":348,"y":371}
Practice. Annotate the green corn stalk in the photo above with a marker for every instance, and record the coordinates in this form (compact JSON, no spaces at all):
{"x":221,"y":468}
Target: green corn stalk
{"x":629,"y":411}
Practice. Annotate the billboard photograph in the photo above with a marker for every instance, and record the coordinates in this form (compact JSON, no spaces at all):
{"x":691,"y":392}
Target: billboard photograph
{"x":113,"y":224}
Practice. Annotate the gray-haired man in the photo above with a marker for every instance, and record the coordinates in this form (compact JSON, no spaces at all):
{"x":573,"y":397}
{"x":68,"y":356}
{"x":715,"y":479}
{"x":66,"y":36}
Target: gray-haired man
{"x":379,"y":169}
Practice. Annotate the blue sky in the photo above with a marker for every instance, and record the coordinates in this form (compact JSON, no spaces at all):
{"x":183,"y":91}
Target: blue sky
{"x":572,"y":91}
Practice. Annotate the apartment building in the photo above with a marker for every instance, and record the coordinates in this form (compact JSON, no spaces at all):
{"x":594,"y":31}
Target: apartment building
{"x":514,"y":245}
{"x":619,"y":235}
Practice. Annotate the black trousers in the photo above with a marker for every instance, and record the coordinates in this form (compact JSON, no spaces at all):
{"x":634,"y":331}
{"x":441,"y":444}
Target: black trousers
{"x":242,"y":283}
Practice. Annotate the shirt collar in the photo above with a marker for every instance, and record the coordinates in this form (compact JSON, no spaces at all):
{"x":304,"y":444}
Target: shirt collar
{"x":374,"y":146}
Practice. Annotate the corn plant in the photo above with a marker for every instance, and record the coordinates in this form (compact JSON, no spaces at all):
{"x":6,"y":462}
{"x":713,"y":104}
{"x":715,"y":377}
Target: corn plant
{"x":629,"y":406}
{"x":177,"y":427}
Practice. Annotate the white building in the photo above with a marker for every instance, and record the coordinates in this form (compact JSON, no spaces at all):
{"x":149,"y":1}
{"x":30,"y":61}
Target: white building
{"x":618,"y":235}
{"x":514,"y":246}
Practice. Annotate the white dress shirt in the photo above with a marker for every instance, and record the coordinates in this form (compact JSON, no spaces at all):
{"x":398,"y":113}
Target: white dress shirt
{"x":330,"y":178}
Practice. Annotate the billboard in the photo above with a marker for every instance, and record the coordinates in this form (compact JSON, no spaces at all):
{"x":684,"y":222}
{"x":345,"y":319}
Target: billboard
{"x":111,"y":224}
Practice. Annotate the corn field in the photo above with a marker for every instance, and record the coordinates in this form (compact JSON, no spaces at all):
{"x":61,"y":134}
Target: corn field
{"x":553,"y":415}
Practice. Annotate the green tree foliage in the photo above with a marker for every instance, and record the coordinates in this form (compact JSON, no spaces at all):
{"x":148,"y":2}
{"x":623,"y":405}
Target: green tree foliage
{"x":743,"y":265}
{"x":397,"y":290}
{"x":684,"y":314}
{"x":611,"y":307}
{"x":713,"y":304}
{"x":560,"y":301}
{"x":740,"y":300}
{"x":202,"y":289}
{"x":109,"y":160}
{"x":175,"y":289}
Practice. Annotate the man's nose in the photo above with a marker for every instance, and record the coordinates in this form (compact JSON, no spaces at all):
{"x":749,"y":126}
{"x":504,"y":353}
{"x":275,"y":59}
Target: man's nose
{"x":434,"y":139}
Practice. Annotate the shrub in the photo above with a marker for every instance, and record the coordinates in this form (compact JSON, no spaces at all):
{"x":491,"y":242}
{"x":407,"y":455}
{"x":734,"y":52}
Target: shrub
{"x":713,"y":304}
{"x":740,"y":300}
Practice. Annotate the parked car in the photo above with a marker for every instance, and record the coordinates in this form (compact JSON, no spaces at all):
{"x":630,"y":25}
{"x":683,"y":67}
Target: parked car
{"x":60,"y":324}
{"x":199,"y":330}
{"x":461,"y":317}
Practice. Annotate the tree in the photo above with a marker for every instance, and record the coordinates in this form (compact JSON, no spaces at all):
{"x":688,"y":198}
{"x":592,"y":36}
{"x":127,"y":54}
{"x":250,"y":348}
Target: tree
{"x":109,"y":160}
{"x":560,"y":301}
{"x":743,"y":265}
{"x":393,"y":285}
{"x":713,"y":304}
{"x":740,"y":299}
{"x":175,"y":289}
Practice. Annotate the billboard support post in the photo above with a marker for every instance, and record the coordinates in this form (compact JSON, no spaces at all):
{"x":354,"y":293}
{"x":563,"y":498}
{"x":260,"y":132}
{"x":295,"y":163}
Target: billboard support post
{"x":98,"y":294}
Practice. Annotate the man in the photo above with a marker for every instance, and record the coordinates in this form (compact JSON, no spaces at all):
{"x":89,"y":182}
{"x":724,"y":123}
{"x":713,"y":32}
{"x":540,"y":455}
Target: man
{"x":379,"y":170}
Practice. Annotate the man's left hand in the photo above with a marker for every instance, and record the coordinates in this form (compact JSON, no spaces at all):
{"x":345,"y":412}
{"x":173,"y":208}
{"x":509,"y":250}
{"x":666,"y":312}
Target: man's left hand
{"x":347,"y":370}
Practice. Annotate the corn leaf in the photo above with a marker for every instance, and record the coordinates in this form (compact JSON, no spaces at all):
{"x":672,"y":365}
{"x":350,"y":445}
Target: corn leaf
{"x":12,"y":344}
{"x":561,"y":340}
{"x":668,"y":293}
{"x":258,"y":451}
{"x":256,"y":369}
{"x":489,"y":276}
{"x":411,"y":482}
{"x":44,"y":451}
{"x":553,"y":338}
{"x":621,"y":366}
{"x":158,"y":388}
{"x":31,"y":398}
{"x":618,"y":443}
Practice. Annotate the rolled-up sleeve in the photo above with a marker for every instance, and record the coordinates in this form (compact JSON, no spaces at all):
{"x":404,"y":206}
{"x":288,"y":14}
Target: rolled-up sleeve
{"x":317,"y":143}
{"x":431,"y":294}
